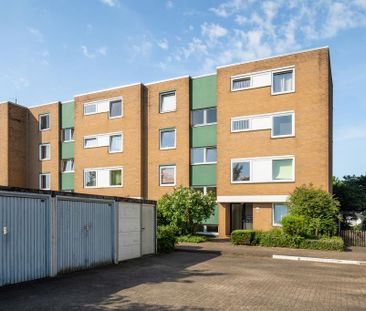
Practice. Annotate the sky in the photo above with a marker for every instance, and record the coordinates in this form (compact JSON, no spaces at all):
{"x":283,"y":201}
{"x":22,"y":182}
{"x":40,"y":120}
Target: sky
{"x":53,"y":50}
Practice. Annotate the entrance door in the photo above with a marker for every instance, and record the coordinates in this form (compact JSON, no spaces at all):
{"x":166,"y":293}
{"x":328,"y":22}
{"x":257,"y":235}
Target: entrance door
{"x":236,"y":216}
{"x":248,"y":216}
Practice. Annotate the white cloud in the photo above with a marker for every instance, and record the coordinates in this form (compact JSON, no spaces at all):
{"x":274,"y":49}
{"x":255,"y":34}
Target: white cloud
{"x":111,"y":3}
{"x":37,"y":34}
{"x":213,"y":31}
{"x":99,"y":51}
{"x":240,"y":20}
{"x":169,"y":4}
{"x":86,"y":52}
{"x":230,"y":7}
{"x":163,"y":44}
{"x":143,"y":48}
{"x":102,"y":50}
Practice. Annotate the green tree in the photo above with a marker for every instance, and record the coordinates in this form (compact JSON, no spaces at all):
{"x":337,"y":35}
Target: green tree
{"x":318,"y":207}
{"x":185,"y":209}
{"x":351,"y":193}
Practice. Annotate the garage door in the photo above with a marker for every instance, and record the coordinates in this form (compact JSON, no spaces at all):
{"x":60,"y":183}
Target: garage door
{"x":148,"y":229}
{"x":129,"y":231}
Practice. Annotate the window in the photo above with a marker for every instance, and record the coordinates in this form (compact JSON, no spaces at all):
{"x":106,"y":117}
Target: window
{"x":90,"y":142}
{"x":167,"y":139}
{"x":115,"y":177}
{"x":241,"y":83}
{"x":115,"y":108}
{"x":68,"y":135}
{"x":282,"y":169}
{"x":238,"y":125}
{"x":44,"y":121}
{"x":67,"y":166}
{"x":205,"y":189}
{"x":44,"y":181}
{"x":90,"y":179}
{"x":203,"y":117}
{"x":44,"y":152}
{"x":203,"y":155}
{"x":167,"y":102}
{"x":280,"y":210}
{"x":90,"y":108}
{"x":167,"y":175}
{"x":240,"y":171}
{"x":115,"y":143}
{"x":282,"y":125}
{"x":282,"y":82}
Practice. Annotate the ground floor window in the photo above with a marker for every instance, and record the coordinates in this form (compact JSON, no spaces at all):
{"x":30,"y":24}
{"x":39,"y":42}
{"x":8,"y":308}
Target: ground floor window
{"x":44,"y":181}
{"x":280,"y":210}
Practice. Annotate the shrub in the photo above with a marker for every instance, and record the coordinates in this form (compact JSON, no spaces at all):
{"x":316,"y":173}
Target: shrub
{"x":191,"y":239}
{"x":276,"y":238}
{"x":166,"y":239}
{"x":293,"y":225}
{"x":242,"y":237}
{"x":318,"y":207}
{"x":328,"y":244}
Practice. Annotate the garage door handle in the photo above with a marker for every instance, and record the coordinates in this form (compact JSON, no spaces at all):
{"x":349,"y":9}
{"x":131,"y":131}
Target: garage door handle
{"x":143,"y":228}
{"x":5,"y":230}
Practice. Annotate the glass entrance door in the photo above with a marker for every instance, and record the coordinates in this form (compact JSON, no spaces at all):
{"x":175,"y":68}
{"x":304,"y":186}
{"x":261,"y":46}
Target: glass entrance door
{"x":241,"y":216}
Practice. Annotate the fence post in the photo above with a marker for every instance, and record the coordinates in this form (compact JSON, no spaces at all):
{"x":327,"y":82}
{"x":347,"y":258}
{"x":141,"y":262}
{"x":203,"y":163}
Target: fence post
{"x":53,"y":203}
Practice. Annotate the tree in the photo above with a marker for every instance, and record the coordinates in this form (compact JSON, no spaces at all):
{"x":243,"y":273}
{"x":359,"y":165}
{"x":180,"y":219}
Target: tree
{"x":185,"y":209}
{"x":351,"y":193}
{"x":318,"y":207}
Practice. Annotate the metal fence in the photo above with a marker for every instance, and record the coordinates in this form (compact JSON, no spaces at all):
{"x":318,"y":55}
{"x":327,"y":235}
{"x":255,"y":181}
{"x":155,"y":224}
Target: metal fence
{"x":45,"y":233}
{"x":353,"y":238}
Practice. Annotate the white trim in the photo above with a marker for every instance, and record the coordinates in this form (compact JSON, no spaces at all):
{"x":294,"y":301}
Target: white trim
{"x":67,"y":101}
{"x":271,"y":57}
{"x":168,"y":129}
{"x":293,"y":81}
{"x":109,"y":147}
{"x":39,"y":121}
{"x":160,"y":102}
{"x":109,"y":89}
{"x":66,"y":172}
{"x":97,"y":102}
{"x":104,"y":134}
{"x":272,"y":158}
{"x":292,"y":114}
{"x":204,"y":117}
{"x":40,"y":152}
{"x":109,"y":109}
{"x":86,"y":170}
{"x":204,"y":156}
{"x":166,"y":80}
{"x":266,"y":198}
{"x":40,"y":182}
{"x":204,"y":75}
{"x":45,"y":104}
{"x":174,"y":166}
{"x":63,"y":134}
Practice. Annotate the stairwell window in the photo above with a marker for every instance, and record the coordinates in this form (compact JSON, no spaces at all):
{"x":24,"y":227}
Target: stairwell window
{"x":44,"y":152}
{"x":67,"y":166}
{"x":203,"y":117}
{"x":167,"y":175}
{"x":283,"y":82}
{"x":168,"y":101}
{"x":44,"y":181}
{"x":167,"y":139}
{"x":44,"y":121}
{"x":67,"y":135}
{"x":206,"y":155}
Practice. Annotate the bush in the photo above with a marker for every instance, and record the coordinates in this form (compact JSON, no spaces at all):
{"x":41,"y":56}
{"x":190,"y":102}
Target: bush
{"x":191,"y":239}
{"x":166,"y":239}
{"x":293,"y":225}
{"x":277,"y":238}
{"x":328,"y":244}
{"x":242,"y":237}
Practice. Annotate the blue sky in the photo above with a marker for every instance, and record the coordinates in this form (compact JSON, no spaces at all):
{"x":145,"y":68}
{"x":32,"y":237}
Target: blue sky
{"x":53,"y":50}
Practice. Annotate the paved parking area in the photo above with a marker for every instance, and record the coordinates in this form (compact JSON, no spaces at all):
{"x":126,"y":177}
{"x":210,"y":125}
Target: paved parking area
{"x":205,"y":280}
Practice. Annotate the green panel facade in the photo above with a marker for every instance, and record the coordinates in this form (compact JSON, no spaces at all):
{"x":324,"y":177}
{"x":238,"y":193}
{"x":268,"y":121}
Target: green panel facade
{"x":67,"y":181}
{"x":203,"y":175}
{"x":203,"y":136}
{"x":67,"y":114}
{"x":203,"y":92}
{"x":67,"y":150}
{"x":214,"y":219}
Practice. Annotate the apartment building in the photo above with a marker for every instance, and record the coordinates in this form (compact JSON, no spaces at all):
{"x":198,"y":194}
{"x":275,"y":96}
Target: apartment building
{"x":250,"y":132}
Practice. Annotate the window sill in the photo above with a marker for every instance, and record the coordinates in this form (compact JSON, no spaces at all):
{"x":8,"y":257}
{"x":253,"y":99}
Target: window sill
{"x":263,"y":182}
{"x":168,"y":148}
{"x":203,"y":163}
{"x":170,"y":185}
{"x":68,"y":172}
{"x":44,"y":130}
{"x":68,"y":141}
{"x":204,"y":124}
{"x":162,"y":112}
{"x":112,"y":152}
{"x":282,"y":136}
{"x":116,"y":117}
{"x":281,"y":93}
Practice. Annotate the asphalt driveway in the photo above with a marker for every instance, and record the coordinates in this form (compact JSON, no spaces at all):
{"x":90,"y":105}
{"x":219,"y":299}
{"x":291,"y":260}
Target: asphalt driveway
{"x":204,"y":280}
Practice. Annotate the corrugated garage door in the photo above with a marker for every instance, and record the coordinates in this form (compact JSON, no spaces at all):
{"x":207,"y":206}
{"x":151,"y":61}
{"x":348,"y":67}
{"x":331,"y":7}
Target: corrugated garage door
{"x":129,"y":231}
{"x":24,"y":238}
{"x":85,"y":233}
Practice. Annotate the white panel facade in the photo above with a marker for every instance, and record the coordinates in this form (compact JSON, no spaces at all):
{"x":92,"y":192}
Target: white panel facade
{"x":261,"y":123}
{"x":261,"y":170}
{"x":261,"y":79}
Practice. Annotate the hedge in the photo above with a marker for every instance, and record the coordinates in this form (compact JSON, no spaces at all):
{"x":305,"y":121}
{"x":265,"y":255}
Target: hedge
{"x":191,"y":239}
{"x":277,"y":238}
{"x":166,"y":239}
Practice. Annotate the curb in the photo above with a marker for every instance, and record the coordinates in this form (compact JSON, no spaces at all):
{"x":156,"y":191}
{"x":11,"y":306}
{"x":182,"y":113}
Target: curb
{"x":323,"y":260}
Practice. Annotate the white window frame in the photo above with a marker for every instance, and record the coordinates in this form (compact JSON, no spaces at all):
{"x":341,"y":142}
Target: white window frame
{"x":63,"y":134}
{"x":40,"y":181}
{"x":274,"y":224}
{"x":39,"y":121}
{"x":175,"y":175}
{"x":240,"y":119}
{"x":109,"y":146}
{"x":175,"y":138}
{"x":291,"y":68}
{"x":204,"y":117}
{"x":72,"y":166}
{"x":272,"y":158}
{"x":204,"y":188}
{"x":245,"y":76}
{"x":40,"y":152}
{"x":109,"y":169}
{"x":292,"y":114}
{"x":90,"y":137}
{"x":91,"y":104}
{"x":109,"y":108}
{"x":204,"y":156}
{"x":160,"y":101}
